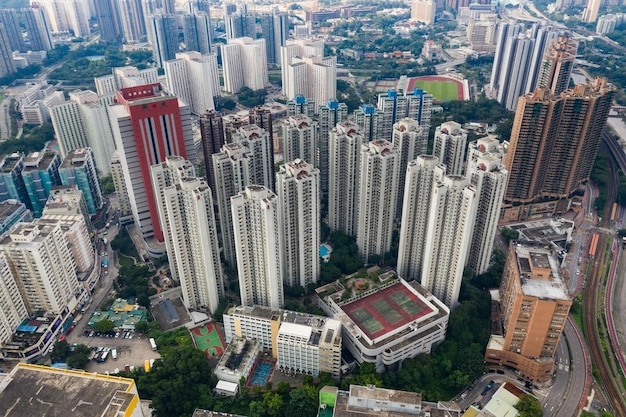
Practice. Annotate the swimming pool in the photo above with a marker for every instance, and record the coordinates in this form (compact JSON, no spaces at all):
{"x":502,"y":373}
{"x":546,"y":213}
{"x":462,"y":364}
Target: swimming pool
{"x":324,"y":251}
{"x":262,"y":373}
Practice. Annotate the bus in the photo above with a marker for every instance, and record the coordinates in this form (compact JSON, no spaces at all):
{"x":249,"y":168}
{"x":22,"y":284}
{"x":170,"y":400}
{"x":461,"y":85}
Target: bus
{"x":153,"y":344}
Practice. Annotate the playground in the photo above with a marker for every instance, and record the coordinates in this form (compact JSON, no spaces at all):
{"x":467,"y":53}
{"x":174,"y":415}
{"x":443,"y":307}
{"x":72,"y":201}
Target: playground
{"x":261,"y":372}
{"x":208,"y":339}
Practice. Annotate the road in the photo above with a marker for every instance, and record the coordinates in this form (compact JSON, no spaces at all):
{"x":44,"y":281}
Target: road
{"x":102,"y":289}
{"x":5,"y":121}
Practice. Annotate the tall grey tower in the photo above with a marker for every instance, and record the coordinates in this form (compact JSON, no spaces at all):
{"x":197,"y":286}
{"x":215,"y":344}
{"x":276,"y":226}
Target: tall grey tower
{"x":163,"y":37}
{"x":258,"y":239}
{"x":186,"y":214}
{"x":297,"y":185}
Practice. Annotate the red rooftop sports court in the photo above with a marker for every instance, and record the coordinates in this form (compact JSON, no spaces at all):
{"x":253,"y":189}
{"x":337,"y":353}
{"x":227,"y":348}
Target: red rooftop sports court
{"x":386,"y":310}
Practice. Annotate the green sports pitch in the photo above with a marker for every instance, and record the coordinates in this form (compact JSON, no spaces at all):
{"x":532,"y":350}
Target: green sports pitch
{"x":441,"y":90}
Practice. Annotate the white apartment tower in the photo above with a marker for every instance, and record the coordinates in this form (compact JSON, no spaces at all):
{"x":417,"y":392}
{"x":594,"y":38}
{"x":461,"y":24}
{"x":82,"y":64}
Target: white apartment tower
{"x":378,"y":193}
{"x":449,"y":146}
{"x":329,"y":115}
{"x":409,"y":140}
{"x":421,"y":175}
{"x":488,"y":175}
{"x":124,"y":77}
{"x":299,"y":137}
{"x":193,"y":77}
{"x":590,"y":14}
{"x":244,"y":61}
{"x":450,"y":225}
{"x":343,"y":180}
{"x":423,"y":11}
{"x":259,"y":142}
{"x":41,"y":261}
{"x":13,"y":309}
{"x":83,"y":122}
{"x":416,"y":105}
{"x":307,"y":72}
{"x":298,"y":187}
{"x":186,"y":214}
{"x":117,"y":174}
{"x":233,"y":170}
{"x":258,"y":239}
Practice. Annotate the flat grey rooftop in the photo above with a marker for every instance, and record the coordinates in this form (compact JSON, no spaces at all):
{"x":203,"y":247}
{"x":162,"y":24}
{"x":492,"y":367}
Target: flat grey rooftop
{"x":40,"y":391}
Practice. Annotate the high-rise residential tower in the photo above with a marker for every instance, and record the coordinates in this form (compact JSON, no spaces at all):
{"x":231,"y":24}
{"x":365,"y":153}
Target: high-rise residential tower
{"x":275,"y":31}
{"x":378,"y":194}
{"x":369,"y":119}
{"x":488,"y":176}
{"x":451,"y":221}
{"x":416,"y":105}
{"x":9,"y":19}
{"x":79,"y":169}
{"x":301,"y":105}
{"x":109,"y":22}
{"x":197,"y":32}
{"x":13,"y":310}
{"x":343,"y":180}
{"x":297,"y":185}
{"x":37,"y":27}
{"x":449,"y":146}
{"x":233,"y":172}
{"x":41,"y":261}
{"x":192,"y":77}
{"x":307,"y":72}
{"x":421,"y":176}
{"x":212,"y":138}
{"x":40,"y":174}
{"x":557,"y":65}
{"x":555,"y":140}
{"x":163,"y":37}
{"x":409,"y":140}
{"x":260,"y":254}
{"x":329,"y":115}
{"x":149,"y":126}
{"x":7,"y":65}
{"x":299,"y":137}
{"x":186,"y":215}
{"x":133,"y":19}
{"x":245,"y":64}
{"x":590,"y":14}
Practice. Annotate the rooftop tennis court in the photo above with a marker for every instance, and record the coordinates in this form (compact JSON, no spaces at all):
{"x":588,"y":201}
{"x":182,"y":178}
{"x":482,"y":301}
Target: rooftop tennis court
{"x":383,"y":311}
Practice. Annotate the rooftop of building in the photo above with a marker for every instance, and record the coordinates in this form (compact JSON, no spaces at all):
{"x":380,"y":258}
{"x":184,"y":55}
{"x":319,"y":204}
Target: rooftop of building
{"x":208,"y":413}
{"x":66,"y":200}
{"x":382,"y":394}
{"x":237,"y":355}
{"x":531,"y":259}
{"x":32,"y":390}
{"x":77,"y":157}
{"x":27,"y":232}
{"x":9,"y":207}
{"x":36,"y":161}
{"x":382,"y":310}
{"x":319,"y":329}
{"x":10,"y":161}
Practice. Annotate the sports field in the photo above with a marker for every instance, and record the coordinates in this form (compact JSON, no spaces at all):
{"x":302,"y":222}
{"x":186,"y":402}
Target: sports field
{"x":386,"y":310}
{"x":207,"y":338}
{"x":441,"y":87}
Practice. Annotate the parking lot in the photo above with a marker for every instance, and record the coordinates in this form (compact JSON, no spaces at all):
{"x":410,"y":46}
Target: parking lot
{"x":130,"y":351}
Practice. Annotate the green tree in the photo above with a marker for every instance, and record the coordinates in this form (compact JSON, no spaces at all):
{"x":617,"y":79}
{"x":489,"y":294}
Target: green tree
{"x":509,"y":234}
{"x":528,"y":406}
{"x":142,"y":326}
{"x":59,"y":351}
{"x":273,"y":404}
{"x":303,"y":401}
{"x":178,"y":383}
{"x":79,"y":357}
{"x":106,"y":184}
{"x":105,"y":326}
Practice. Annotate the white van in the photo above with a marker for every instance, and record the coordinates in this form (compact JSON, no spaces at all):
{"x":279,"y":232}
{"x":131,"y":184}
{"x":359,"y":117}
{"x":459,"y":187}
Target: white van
{"x":114,"y":354}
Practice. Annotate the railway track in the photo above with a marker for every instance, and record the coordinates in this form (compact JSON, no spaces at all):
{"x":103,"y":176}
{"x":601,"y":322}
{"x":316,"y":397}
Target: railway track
{"x":592,"y":303}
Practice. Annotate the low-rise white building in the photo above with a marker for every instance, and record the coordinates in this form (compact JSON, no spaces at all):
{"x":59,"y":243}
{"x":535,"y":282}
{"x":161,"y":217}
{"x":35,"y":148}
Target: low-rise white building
{"x":300,"y":343}
{"x":385,"y":325}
